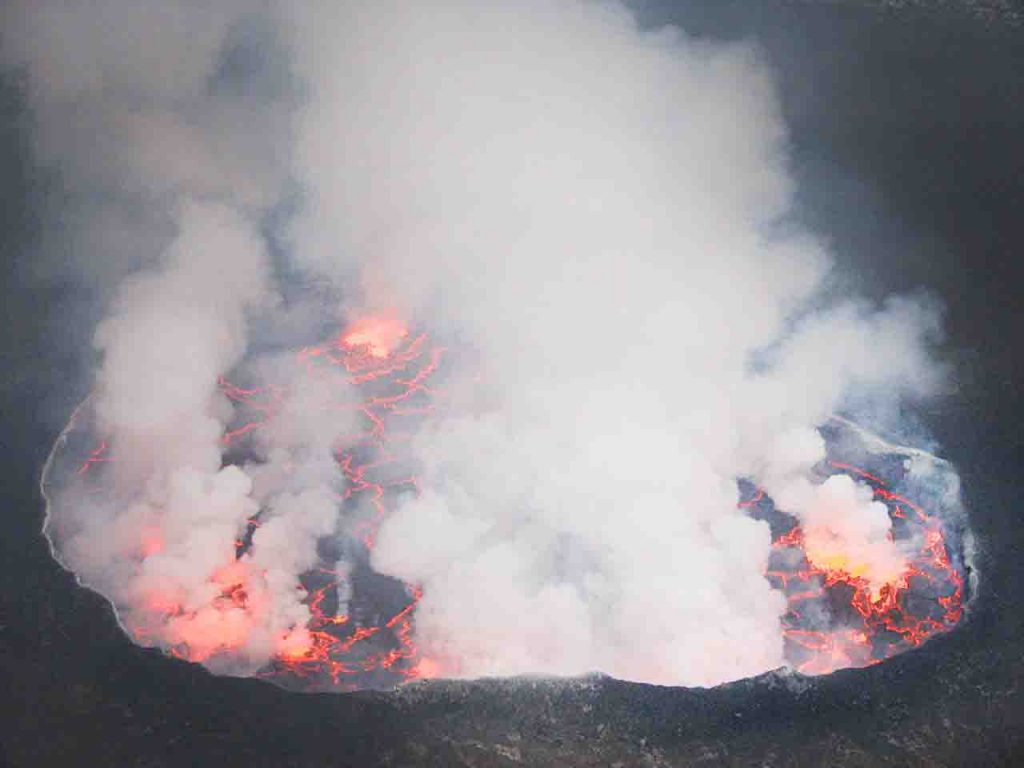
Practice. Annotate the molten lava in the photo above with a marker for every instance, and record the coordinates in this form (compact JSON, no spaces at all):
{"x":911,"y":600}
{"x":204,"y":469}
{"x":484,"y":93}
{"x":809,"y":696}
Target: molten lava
{"x":392,"y":371}
{"x":375,"y":335}
{"x":866,"y":622}
{"x":836,"y":616}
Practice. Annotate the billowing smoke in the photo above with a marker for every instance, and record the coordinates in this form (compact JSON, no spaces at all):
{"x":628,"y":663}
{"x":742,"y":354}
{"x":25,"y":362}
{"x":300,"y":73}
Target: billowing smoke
{"x":599,"y":217}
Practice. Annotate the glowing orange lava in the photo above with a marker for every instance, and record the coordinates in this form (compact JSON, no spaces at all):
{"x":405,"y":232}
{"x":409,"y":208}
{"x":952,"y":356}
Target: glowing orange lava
{"x":393,"y":370}
{"x":379,"y":335}
{"x":879,"y":623}
{"x":393,"y":373}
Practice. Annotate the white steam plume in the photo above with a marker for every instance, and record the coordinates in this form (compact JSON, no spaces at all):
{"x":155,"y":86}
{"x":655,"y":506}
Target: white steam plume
{"x":169,"y":161}
{"x":602,"y":214}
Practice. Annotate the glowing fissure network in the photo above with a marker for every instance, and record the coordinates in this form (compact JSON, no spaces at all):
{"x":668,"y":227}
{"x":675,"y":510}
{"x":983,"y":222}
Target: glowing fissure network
{"x":362,"y":627}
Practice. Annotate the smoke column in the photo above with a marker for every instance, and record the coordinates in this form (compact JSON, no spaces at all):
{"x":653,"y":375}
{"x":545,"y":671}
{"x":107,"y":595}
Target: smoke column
{"x":599,"y":216}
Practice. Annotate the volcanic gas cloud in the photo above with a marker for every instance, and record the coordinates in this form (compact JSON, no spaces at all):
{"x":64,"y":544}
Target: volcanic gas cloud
{"x":459,"y":339}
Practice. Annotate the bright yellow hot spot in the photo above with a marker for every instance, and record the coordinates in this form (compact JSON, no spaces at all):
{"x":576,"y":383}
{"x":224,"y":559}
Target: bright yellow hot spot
{"x":379,"y":335}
